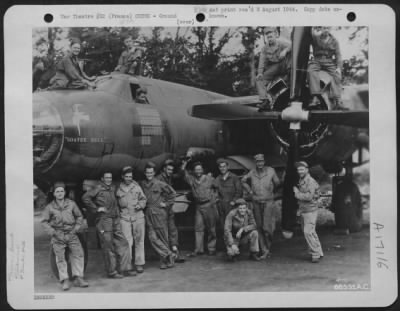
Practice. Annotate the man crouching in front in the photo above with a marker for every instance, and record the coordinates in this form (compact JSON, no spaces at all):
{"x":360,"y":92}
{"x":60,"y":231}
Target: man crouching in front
{"x":102,"y":201}
{"x":240,"y":229}
{"x":62,"y":219}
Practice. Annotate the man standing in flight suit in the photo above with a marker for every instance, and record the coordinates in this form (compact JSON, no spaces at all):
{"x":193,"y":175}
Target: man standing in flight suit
{"x":62,"y":219}
{"x":161,"y":228}
{"x":132,"y":201}
{"x":206,"y":212}
{"x":263,"y":182}
{"x":102,"y":201}
{"x":229,"y":189}
{"x":307,"y":194}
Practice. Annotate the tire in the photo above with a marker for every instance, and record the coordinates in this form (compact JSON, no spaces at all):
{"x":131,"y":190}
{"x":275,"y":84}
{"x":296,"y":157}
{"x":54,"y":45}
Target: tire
{"x":347,"y":206}
{"x":82,"y":238}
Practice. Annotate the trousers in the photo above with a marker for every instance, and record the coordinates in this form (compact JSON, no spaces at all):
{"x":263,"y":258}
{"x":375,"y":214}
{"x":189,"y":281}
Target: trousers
{"x":308,"y":223}
{"x":273,"y":71}
{"x":328,"y":65}
{"x":205,"y":219}
{"x":113,"y":244}
{"x":134,"y":232}
{"x":250,"y":238}
{"x":264,"y":214}
{"x":59,"y":244}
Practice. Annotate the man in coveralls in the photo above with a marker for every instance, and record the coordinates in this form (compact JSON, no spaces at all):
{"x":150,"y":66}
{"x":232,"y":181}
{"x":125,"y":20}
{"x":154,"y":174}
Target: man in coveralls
{"x":163,"y":234}
{"x":307,"y":194}
{"x":206,"y":212}
{"x":263,"y":183}
{"x":62,"y":219}
{"x":240,"y":229}
{"x":229,"y":189}
{"x":132,"y":201}
{"x":101,"y":200}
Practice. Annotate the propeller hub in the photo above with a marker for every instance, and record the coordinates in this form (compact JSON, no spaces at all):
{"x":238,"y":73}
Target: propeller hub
{"x":294,"y":113}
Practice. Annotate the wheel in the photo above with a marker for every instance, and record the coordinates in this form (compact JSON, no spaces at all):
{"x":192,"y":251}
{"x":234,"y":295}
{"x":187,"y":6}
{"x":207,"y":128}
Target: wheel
{"x":347,"y":205}
{"x":82,"y":238}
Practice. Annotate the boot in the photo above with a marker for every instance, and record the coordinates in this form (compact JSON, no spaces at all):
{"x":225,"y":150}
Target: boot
{"x":139,"y":269}
{"x":170,"y":261}
{"x":80,"y":282}
{"x":129,"y":273}
{"x":163,"y":263}
{"x":254,"y":256}
{"x":65,"y":284}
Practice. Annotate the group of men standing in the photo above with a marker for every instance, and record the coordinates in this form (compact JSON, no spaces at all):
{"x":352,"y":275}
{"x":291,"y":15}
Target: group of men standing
{"x":124,"y":214}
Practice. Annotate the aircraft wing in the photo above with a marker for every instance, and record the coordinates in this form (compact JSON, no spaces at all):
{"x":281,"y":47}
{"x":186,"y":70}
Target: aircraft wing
{"x":231,"y":111}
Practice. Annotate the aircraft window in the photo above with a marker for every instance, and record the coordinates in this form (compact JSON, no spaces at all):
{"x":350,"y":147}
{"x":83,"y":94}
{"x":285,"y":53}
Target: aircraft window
{"x":140,"y":96}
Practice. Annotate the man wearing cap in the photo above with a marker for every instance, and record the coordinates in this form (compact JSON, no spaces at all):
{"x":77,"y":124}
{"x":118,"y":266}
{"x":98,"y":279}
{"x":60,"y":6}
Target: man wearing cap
{"x":130,"y":59}
{"x":102,"y":202}
{"x":167,"y":175}
{"x":263,"y":183}
{"x":132,"y":201}
{"x":307,"y":194}
{"x":229,"y":189}
{"x":62,"y":219}
{"x":327,"y":57}
{"x":206,"y":211}
{"x":160,"y":221}
{"x":240,"y":228}
{"x":274,"y":62}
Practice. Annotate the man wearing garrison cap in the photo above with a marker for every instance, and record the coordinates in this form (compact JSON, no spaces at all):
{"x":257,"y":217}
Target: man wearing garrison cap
{"x":62,"y":219}
{"x":274,"y":62}
{"x":131,"y":202}
{"x":263,"y":182}
{"x":240,"y":228}
{"x":229,"y":189}
{"x":307,"y":194}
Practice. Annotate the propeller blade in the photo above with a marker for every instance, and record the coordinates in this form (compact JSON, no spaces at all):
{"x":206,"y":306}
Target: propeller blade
{"x":353,"y":118}
{"x":231,"y":112}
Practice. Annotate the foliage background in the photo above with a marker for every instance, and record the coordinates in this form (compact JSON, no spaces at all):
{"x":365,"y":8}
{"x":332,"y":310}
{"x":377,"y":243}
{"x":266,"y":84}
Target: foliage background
{"x":219,"y":59}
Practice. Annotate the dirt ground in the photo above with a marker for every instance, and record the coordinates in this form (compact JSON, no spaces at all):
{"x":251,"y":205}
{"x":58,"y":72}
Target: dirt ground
{"x":346,"y":261}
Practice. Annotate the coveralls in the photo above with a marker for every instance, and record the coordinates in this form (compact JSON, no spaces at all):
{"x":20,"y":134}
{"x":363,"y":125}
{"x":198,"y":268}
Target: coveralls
{"x":160,"y":221}
{"x":130,"y":61}
{"x":68,"y":74}
{"x":229,"y":189}
{"x":262,"y":184}
{"x":327,"y":57}
{"x":62,"y":223}
{"x":206,"y":212}
{"x":132,"y":201}
{"x":308,"y":206}
{"x":233,"y":223}
{"x":113,"y":242}
{"x":271,"y":66}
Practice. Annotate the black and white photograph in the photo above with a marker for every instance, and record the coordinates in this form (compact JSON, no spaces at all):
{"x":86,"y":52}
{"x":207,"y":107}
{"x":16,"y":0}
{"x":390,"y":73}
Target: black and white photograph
{"x":200,"y":158}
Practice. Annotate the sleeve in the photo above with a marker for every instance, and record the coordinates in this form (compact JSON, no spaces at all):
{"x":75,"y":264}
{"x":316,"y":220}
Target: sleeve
{"x":338,"y":54}
{"x":46,"y":221}
{"x":142,"y":198}
{"x":238,"y":189}
{"x":228,"y":230}
{"x":172,"y":230}
{"x":312,"y":189}
{"x":187,"y":177}
{"x":169,"y":193}
{"x":78,"y":217}
{"x":287,"y":45}
{"x":261,"y":62}
{"x":70,"y":70}
{"x":252,"y":223}
{"x":275,"y":179}
{"x":87,"y":199}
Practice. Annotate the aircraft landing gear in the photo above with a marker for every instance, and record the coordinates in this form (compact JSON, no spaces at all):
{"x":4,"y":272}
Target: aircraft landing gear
{"x":347,"y":203}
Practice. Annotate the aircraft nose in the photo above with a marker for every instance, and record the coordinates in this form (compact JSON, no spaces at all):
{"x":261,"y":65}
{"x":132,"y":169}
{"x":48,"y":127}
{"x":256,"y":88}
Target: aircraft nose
{"x":48,"y":135}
